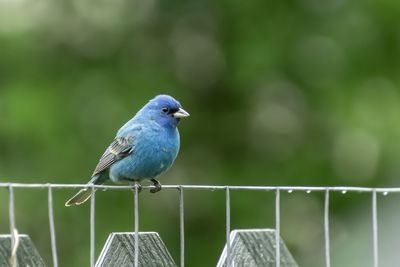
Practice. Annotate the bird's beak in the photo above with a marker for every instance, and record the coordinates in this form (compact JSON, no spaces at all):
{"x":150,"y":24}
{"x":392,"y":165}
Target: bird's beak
{"x":181,"y":113}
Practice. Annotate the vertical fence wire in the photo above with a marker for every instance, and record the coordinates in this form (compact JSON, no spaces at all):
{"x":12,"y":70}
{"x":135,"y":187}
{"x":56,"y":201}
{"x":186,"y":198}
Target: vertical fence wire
{"x":373,"y":191}
{"x":277,"y":228}
{"x":375,"y":228}
{"x":11,"y":211}
{"x":182,"y":226}
{"x":92,"y":226}
{"x":326,"y":230}
{"x":228,"y":226}
{"x":136,"y":213}
{"x":52,"y":227}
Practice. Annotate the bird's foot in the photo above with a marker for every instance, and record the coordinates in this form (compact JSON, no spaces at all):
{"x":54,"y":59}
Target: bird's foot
{"x":138,"y":185}
{"x":157,"y":186}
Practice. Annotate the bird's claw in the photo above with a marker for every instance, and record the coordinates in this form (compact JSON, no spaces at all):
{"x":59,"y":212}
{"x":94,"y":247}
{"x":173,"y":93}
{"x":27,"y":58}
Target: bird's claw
{"x":157,"y":186}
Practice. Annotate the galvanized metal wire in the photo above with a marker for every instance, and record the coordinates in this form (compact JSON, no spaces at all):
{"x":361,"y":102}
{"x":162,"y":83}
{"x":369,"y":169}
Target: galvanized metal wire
{"x":182,"y":227}
{"x":228,"y":226}
{"x":181,"y":188}
{"x":92,"y":226}
{"x":14,"y":249}
{"x":136,"y":212}
{"x":13,"y":230}
{"x":277,"y":228}
{"x":213,"y":187}
{"x":52,"y":228}
{"x":375,"y":228}
{"x":326,"y":230}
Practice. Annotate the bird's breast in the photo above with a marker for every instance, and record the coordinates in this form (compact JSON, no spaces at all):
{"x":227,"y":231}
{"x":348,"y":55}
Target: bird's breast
{"x":152,"y":155}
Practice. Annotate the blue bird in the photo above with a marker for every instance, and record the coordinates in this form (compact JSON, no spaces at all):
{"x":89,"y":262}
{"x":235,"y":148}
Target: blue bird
{"x":144,"y":148}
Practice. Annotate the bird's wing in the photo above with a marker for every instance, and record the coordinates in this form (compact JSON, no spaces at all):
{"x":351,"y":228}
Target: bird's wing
{"x":118,"y":149}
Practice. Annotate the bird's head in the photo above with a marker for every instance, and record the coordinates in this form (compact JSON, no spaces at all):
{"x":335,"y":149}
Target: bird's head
{"x":165,"y":110}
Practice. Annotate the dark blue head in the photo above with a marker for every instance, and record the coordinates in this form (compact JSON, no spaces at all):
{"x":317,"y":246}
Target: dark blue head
{"x":165,"y":110}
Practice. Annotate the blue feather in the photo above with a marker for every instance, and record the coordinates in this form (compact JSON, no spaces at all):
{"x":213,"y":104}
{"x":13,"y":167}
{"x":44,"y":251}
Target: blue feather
{"x":144,"y":148}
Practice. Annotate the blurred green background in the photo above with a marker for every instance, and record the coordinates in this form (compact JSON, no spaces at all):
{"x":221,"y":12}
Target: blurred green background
{"x":302,"y":92}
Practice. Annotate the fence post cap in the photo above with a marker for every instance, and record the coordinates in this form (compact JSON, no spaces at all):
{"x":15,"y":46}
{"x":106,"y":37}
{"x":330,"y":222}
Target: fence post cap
{"x":27,"y":254}
{"x":119,"y":251}
{"x":255,"y":247}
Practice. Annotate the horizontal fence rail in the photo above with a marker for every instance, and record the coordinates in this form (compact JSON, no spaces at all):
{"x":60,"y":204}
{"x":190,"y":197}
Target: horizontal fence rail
{"x":181,"y":188}
{"x":308,"y":189}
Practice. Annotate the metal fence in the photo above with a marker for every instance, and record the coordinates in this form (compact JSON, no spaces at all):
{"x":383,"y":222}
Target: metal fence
{"x":181,"y":189}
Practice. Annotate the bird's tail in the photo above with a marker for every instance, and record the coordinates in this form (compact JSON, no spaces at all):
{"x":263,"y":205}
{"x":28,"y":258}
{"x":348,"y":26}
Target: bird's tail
{"x":83,"y":194}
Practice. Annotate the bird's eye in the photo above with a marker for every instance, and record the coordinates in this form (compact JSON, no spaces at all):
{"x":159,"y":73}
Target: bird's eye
{"x":165,"y":110}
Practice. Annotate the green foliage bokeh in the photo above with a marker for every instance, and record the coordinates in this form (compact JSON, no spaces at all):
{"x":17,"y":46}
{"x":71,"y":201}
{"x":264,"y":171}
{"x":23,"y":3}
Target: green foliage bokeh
{"x":301,"y":92}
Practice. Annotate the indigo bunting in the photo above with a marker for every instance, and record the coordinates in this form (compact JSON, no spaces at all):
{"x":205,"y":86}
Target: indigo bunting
{"x":144,"y":148}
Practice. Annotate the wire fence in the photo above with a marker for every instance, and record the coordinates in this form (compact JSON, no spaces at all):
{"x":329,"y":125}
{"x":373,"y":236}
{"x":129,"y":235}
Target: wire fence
{"x":181,"y":189}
